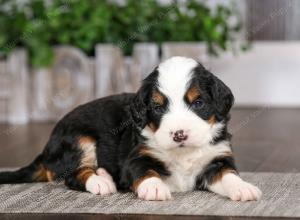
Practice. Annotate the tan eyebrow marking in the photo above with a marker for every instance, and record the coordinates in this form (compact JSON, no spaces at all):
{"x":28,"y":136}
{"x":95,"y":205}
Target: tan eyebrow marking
{"x":158,"y":98}
{"x":192,"y":94}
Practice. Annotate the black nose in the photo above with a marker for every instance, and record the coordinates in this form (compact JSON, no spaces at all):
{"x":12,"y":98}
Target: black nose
{"x":179,"y":136}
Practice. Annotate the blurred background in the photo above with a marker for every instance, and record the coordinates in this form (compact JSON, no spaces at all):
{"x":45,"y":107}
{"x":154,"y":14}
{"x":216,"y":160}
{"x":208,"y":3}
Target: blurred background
{"x":57,"y":54}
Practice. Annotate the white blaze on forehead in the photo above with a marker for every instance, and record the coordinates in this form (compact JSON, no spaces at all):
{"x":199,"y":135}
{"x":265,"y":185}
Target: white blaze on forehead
{"x":174,"y":75}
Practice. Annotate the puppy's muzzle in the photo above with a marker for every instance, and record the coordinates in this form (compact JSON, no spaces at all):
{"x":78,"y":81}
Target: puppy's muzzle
{"x":180,"y":136}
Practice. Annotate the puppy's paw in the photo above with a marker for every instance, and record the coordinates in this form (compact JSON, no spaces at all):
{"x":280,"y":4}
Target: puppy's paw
{"x":239,"y":190}
{"x":244,"y":192}
{"x":102,"y":172}
{"x":100,"y":185}
{"x":153,"y":189}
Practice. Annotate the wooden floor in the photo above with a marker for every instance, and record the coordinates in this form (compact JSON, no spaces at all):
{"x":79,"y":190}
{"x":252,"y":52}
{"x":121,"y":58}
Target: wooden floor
{"x":264,"y":140}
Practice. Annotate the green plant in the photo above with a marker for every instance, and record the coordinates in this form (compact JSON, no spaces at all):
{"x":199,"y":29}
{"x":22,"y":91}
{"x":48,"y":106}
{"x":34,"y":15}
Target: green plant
{"x":84,"y":23}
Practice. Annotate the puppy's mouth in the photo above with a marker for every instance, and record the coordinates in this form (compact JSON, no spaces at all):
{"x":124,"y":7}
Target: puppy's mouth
{"x":181,"y":145}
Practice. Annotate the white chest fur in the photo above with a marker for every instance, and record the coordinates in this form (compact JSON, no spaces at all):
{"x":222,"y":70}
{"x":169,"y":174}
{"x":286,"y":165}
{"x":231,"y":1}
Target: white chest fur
{"x":186,"y":163}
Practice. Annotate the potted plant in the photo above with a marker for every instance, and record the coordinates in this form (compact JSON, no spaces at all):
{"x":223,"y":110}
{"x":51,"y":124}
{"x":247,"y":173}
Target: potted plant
{"x":39,"y":26}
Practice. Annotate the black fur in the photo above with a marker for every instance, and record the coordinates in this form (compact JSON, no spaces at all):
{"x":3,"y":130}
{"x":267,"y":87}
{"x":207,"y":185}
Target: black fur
{"x":138,"y":165}
{"x":140,"y":106}
{"x":216,"y":166}
{"x":115,"y":123}
{"x":218,"y":98}
{"x":23,"y":175}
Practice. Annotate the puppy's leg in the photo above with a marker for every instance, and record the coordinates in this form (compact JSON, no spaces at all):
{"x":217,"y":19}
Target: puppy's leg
{"x":143,"y":173}
{"x":220,"y":176}
{"x":232,"y":186}
{"x":85,"y":178}
{"x":151,"y":187}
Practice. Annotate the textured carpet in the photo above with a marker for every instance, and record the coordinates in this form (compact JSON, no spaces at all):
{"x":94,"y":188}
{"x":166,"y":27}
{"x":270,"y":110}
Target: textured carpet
{"x":281,"y":197}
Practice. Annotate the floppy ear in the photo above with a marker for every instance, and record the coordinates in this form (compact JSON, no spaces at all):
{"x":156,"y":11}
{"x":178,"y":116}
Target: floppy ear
{"x":140,"y":106}
{"x":223,"y":98}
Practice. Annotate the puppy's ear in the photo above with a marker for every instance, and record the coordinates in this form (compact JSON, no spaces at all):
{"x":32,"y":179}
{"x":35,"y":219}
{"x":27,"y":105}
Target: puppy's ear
{"x":140,"y":105}
{"x":222,"y":98}
{"x":138,"y":108}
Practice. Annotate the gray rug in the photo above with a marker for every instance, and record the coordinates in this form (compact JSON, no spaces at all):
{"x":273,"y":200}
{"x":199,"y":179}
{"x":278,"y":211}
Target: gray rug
{"x":281,"y":198}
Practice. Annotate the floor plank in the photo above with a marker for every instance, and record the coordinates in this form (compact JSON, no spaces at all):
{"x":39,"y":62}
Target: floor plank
{"x":264,"y":140}
{"x":123,"y":217}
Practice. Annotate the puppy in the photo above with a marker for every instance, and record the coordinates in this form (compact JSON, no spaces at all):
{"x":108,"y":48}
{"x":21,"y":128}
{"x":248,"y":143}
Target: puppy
{"x":170,"y":136}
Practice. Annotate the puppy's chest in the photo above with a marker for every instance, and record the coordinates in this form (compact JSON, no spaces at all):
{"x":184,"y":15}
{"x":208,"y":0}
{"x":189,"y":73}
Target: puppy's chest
{"x":184,"y":170}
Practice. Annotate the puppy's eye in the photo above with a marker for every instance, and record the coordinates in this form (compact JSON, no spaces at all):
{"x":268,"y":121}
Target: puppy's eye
{"x":198,"y":103}
{"x":158,"y":109}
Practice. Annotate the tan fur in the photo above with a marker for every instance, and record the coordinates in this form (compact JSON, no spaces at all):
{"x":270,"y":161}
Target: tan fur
{"x":152,"y":126}
{"x":149,"y":174}
{"x":145,"y":151}
{"x":212,"y":120}
{"x":158,"y":98}
{"x":43,"y":175}
{"x":192,"y":94}
{"x":219,"y":176}
{"x":88,"y":146}
{"x":84,"y":173}
{"x":50,"y":175}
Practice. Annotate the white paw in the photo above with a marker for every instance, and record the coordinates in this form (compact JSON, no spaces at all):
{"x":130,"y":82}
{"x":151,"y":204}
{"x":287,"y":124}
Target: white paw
{"x":153,"y":189}
{"x":104,"y":173}
{"x":100,"y":185}
{"x":239,"y":190}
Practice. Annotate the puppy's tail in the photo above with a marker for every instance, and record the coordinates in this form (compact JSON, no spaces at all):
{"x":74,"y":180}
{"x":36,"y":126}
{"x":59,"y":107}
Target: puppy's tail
{"x":34,"y":172}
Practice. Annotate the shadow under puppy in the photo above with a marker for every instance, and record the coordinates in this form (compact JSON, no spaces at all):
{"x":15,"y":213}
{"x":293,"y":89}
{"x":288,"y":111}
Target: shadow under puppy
{"x":170,"y":136}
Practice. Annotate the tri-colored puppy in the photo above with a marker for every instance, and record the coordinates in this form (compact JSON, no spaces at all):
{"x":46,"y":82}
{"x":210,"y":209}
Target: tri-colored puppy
{"x":170,"y":136}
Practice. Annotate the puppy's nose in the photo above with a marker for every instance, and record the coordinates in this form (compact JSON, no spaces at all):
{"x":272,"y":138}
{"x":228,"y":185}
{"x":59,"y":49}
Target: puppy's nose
{"x":179,"y":136}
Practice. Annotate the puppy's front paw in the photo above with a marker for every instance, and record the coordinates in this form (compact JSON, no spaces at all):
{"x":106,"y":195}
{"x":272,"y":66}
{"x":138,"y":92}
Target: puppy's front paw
{"x":244,"y":192}
{"x":239,"y":190}
{"x":100,"y":185}
{"x":102,"y":172}
{"x":153,"y":189}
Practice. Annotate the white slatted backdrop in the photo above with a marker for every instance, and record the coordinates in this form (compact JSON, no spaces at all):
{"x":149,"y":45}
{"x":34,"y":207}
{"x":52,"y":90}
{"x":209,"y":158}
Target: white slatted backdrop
{"x":269,"y":74}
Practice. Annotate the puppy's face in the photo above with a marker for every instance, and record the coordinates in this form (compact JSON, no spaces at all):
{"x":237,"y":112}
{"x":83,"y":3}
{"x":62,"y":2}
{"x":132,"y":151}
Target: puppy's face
{"x":186,"y":106}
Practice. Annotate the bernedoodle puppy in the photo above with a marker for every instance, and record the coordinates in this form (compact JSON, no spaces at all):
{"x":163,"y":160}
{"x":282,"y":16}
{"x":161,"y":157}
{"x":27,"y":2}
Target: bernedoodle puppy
{"x":170,"y":136}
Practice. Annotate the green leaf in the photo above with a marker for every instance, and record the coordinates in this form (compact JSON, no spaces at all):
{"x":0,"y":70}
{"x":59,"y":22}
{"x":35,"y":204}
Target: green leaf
{"x":38,"y":27}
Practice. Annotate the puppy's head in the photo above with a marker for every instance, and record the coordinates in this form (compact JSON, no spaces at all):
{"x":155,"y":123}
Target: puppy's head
{"x":181,"y":104}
